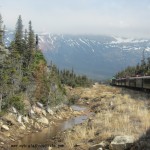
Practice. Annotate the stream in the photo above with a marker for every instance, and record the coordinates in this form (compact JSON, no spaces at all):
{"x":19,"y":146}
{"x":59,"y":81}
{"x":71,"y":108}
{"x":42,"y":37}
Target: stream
{"x":36,"y":141}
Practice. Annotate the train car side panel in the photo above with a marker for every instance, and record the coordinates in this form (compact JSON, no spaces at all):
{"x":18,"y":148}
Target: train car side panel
{"x":139,"y":83}
{"x":146,"y":83}
{"x":132,"y":82}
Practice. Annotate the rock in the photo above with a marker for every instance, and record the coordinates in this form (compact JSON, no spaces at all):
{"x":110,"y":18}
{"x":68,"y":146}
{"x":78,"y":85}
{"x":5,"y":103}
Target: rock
{"x":43,"y":120}
{"x":44,"y":112}
{"x":87,"y":103}
{"x":11,"y":118}
{"x":2,"y":143}
{"x":122,"y":142}
{"x":60,"y":144}
{"x":31,"y":113}
{"x":39,"y":104}
{"x":104,"y":144}
{"x":50,"y":111}
{"x":23,"y":127}
{"x":19,"y":119}
{"x":100,"y":146}
{"x":49,"y":148}
{"x":14,"y":110}
{"x":37,"y":126}
{"x":1,"y":123}
{"x":5,"y":127}
{"x":37,"y":110}
{"x":7,"y":134}
{"x":26,"y":119}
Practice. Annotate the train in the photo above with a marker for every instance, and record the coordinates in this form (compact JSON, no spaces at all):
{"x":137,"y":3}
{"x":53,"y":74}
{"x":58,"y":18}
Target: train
{"x":142,"y":82}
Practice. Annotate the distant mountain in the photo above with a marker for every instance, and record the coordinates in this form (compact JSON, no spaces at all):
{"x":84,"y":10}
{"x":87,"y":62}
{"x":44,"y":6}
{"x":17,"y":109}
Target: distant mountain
{"x":99,"y":57}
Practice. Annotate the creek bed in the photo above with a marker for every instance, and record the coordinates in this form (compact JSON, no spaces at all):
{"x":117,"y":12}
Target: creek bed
{"x":36,"y":141}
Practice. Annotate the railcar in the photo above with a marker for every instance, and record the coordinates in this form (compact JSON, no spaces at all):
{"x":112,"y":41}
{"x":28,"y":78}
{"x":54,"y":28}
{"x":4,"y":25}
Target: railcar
{"x":139,"y":82}
{"x":146,"y":82}
{"x":132,"y":82}
{"x":142,"y":82}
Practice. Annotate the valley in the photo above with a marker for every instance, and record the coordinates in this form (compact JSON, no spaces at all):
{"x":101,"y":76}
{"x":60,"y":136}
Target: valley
{"x":97,"y":56}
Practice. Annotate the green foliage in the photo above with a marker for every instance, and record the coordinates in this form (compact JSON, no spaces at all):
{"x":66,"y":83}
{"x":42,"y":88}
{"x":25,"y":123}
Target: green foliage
{"x":24,"y":71}
{"x":19,"y":35}
{"x":139,"y":70}
{"x":71,"y":79}
{"x":38,"y":56}
{"x":15,"y":101}
{"x":73,"y":99}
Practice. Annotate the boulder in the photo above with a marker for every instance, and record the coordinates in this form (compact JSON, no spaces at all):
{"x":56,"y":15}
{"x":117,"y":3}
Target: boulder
{"x":11,"y":118}
{"x":23,"y":127}
{"x":44,"y":112}
{"x":14,"y":110}
{"x":43,"y":120}
{"x":95,"y":147}
{"x":37,"y":126}
{"x":6,"y":134}
{"x":121,"y":142}
{"x":19,"y":119}
{"x":100,"y":146}
{"x":50,"y":111}
{"x":26,"y":119}
{"x":37,"y":110}
{"x":31,"y":113}
{"x":39,"y":104}
{"x":5,"y":127}
{"x":1,"y":123}
{"x":49,"y":148}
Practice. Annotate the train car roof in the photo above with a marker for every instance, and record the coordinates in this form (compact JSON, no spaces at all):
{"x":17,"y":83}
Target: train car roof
{"x":141,"y":77}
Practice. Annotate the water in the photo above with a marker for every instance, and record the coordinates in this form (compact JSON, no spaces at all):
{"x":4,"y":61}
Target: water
{"x":78,"y":108}
{"x":35,"y":141}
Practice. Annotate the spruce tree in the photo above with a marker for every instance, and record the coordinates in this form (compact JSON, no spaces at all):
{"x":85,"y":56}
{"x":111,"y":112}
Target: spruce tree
{"x":19,"y":35}
{"x":1,"y":30}
{"x":37,"y":42}
{"x":31,"y":40}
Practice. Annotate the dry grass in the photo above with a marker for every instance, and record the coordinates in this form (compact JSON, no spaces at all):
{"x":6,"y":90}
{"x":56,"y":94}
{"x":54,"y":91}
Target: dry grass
{"x":119,"y":114}
{"x":78,"y":136}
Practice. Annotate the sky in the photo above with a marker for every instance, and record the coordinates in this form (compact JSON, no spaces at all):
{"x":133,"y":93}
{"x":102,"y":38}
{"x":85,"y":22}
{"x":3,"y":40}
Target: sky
{"x":128,"y":18}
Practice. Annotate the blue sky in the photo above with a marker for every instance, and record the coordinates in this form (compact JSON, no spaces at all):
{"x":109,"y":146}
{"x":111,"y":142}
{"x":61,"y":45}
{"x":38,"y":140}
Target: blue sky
{"x":130,"y":18}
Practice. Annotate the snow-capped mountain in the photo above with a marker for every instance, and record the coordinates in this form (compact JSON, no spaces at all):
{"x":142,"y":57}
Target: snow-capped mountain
{"x":99,"y":57}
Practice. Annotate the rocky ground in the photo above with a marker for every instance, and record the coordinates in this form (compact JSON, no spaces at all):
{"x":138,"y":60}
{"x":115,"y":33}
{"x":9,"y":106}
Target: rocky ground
{"x":120,"y":120}
{"x":14,"y":126}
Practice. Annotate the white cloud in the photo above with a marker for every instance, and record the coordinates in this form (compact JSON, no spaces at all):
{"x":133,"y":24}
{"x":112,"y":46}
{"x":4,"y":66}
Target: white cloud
{"x":119,"y":17}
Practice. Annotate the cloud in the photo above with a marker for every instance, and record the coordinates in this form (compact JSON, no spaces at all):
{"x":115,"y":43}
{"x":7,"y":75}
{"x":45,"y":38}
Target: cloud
{"x":122,"y":17}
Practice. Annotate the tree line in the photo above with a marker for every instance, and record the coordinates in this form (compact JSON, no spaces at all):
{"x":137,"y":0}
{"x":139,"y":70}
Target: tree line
{"x":141,"y":69}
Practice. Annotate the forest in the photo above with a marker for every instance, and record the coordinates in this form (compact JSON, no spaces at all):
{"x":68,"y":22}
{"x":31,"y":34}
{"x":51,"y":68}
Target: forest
{"x":25,"y":76}
{"x":141,"y":69}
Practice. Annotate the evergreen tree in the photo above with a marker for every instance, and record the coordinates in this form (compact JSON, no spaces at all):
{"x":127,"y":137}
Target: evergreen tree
{"x":1,"y":30}
{"x":19,"y":35}
{"x":31,"y":40}
{"x":37,"y":42}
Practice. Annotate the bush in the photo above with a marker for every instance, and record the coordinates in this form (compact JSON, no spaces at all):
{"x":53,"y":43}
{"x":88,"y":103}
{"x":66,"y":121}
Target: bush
{"x":73,"y":99}
{"x":16,"y":102}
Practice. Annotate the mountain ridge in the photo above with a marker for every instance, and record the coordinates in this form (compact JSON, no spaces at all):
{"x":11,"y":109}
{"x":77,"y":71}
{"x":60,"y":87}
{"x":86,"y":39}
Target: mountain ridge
{"x":97,"y":56}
